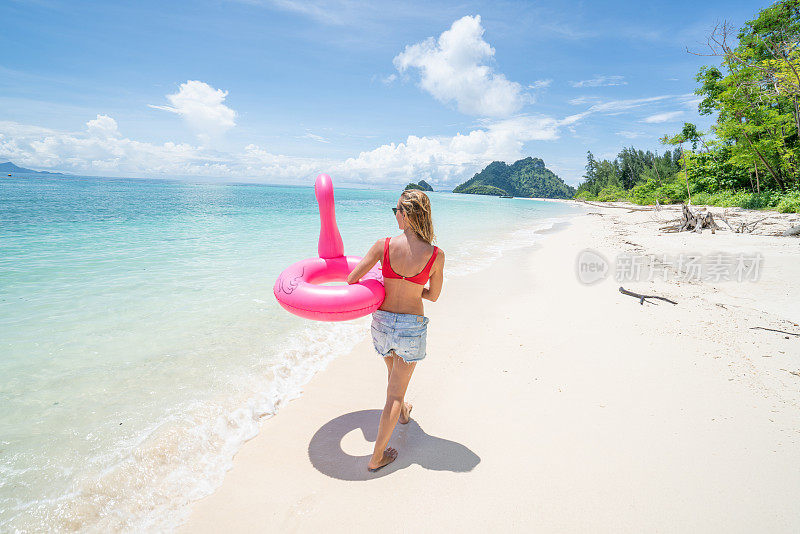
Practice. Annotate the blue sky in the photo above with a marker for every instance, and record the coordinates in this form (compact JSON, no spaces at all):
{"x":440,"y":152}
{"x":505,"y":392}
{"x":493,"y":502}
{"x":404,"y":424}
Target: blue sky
{"x":374,"y":93}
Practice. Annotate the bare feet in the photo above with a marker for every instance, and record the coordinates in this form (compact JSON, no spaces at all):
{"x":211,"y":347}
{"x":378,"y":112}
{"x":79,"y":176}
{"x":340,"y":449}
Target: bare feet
{"x":405,"y":413}
{"x":389,"y":456}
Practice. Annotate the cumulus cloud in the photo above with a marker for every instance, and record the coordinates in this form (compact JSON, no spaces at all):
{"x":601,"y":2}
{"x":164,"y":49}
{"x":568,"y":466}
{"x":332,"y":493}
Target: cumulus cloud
{"x":453,"y":68}
{"x":663,"y":117}
{"x":102,"y":126}
{"x":450,"y":159}
{"x":203,"y":108}
{"x":102,"y":149}
{"x":600,"y":81}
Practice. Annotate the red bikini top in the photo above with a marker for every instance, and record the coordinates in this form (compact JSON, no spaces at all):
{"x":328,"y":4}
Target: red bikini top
{"x":420,"y":278}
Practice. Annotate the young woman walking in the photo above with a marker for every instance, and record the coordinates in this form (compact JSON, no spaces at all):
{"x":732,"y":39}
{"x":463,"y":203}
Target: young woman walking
{"x":399,"y":326}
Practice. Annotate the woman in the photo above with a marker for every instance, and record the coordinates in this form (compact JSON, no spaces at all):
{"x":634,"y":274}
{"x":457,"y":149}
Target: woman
{"x":399,"y":326}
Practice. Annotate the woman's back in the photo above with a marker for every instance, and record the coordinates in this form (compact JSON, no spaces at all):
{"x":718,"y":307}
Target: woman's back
{"x":407,"y":263}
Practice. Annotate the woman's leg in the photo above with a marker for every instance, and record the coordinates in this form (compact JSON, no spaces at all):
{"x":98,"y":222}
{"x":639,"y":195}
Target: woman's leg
{"x":389,"y":360}
{"x":395,"y":393}
{"x":405,"y":412}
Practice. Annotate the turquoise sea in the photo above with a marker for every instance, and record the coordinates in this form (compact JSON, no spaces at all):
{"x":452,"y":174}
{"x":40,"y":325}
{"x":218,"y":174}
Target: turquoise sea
{"x":141,"y":345}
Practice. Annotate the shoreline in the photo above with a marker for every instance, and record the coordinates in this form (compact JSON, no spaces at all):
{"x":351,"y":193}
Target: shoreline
{"x":619,"y":426}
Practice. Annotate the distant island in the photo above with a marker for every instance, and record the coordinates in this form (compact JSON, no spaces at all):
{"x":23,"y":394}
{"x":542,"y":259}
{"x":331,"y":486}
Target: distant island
{"x":524,"y":178}
{"x":9,"y":167}
{"x":422,"y":185}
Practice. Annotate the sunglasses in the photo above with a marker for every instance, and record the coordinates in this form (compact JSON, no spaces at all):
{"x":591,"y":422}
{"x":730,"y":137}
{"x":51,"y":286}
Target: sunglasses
{"x":394,"y":210}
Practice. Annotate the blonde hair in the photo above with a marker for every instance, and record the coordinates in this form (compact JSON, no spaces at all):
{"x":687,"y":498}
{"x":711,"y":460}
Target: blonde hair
{"x":417,"y":207}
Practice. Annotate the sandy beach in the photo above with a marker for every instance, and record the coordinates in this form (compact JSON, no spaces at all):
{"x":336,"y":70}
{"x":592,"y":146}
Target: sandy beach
{"x":550,"y":405}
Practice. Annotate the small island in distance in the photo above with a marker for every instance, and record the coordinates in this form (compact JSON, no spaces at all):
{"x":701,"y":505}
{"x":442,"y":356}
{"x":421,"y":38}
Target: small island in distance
{"x":9,"y":168}
{"x":422,"y":185}
{"x":524,"y":178}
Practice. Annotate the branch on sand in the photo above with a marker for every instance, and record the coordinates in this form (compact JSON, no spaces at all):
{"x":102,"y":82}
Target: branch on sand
{"x":773,"y":330}
{"x":643,"y":298}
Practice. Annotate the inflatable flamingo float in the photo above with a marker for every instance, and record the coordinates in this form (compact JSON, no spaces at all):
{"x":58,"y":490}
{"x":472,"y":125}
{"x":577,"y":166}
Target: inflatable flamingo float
{"x":298,"y":288}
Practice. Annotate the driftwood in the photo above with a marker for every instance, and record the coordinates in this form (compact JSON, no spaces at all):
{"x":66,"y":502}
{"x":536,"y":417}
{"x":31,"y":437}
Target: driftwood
{"x":619,"y":207}
{"x":742,"y":227}
{"x":773,"y":330}
{"x":693,"y":221}
{"x":642,"y":298}
{"x":794,"y":230}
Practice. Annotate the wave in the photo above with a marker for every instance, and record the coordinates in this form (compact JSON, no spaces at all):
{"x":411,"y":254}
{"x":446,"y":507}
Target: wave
{"x":184,"y":456}
{"x":150,"y":482}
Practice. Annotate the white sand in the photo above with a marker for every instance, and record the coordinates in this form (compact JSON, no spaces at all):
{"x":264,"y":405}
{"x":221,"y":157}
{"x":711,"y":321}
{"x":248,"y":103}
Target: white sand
{"x":553,"y":406}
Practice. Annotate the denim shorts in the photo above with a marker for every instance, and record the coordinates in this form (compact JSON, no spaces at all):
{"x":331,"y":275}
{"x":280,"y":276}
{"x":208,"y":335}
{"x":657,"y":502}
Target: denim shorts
{"x":403,"y":333}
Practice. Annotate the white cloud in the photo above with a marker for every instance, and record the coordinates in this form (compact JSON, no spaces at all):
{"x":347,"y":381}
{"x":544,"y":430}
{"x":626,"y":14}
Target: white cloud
{"x":202,"y":107}
{"x":600,"y":81}
{"x":540,"y":84}
{"x":583,"y":100}
{"x":99,"y":148}
{"x":616,"y":107}
{"x":451,"y":159}
{"x":102,"y":126}
{"x":663,"y":117}
{"x":325,"y":12}
{"x":692,"y":101}
{"x":315,"y":137}
{"x":452,"y":68}
{"x":613,"y":106}
{"x":389,"y":80}
{"x":102,"y":149}
{"x":630,"y":135}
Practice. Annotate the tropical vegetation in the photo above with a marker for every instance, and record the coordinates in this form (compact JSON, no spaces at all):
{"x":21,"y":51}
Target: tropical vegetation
{"x":524,"y":178}
{"x":751,"y":155}
{"x":422,"y":185}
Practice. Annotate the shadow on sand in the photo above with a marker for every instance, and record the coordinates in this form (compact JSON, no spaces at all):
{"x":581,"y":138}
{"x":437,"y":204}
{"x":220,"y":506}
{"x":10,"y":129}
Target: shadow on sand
{"x":413,"y":444}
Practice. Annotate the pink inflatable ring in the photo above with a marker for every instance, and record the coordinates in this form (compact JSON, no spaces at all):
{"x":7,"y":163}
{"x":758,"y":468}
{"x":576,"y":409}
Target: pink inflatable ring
{"x":298,"y":288}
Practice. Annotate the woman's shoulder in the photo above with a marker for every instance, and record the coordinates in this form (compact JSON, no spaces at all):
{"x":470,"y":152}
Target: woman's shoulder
{"x":377,"y":246}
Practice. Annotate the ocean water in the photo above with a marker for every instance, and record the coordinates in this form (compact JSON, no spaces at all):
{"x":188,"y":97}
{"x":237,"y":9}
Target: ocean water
{"x":141,"y":345}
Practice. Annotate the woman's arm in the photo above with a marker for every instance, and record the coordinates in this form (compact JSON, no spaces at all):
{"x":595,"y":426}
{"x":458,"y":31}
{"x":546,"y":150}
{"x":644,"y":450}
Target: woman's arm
{"x":374,"y":254}
{"x":436,"y":280}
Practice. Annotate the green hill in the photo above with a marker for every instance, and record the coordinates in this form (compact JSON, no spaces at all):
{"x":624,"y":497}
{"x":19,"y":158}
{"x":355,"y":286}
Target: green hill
{"x":9,"y":167}
{"x":422,"y":185}
{"x":525,"y":178}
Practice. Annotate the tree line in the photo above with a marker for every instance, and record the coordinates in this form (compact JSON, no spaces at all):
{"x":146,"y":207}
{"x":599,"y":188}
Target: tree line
{"x":751,"y":155}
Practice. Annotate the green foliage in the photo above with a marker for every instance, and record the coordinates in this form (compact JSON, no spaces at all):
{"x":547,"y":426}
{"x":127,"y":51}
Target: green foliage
{"x":790,"y":203}
{"x":480,"y":189}
{"x":525,"y":178}
{"x":612,"y":193}
{"x":755,"y":94}
{"x":422,"y":185}
{"x":751,"y":156}
{"x":425,"y":185}
{"x":630,"y":167}
{"x":742,"y":199}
